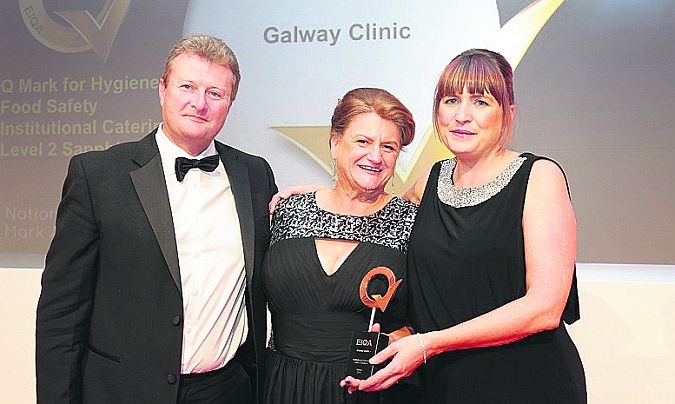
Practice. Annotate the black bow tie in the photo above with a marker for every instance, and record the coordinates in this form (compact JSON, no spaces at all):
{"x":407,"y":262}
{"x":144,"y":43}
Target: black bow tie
{"x":183,"y":165}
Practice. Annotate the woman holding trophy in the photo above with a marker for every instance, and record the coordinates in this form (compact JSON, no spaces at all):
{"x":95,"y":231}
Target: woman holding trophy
{"x":491,"y":258}
{"x":323,"y":244}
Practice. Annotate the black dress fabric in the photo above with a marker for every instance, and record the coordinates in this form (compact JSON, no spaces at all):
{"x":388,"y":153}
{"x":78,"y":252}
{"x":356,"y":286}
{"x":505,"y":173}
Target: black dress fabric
{"x":314,"y":314}
{"x":466,"y":257}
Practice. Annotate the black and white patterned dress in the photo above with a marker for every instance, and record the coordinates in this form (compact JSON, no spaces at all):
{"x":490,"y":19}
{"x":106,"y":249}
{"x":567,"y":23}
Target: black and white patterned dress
{"x":314,"y":314}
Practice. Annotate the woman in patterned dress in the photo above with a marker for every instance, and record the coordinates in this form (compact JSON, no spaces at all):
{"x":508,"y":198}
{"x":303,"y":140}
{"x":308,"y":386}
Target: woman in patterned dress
{"x":491,"y":260}
{"x":322,"y":245}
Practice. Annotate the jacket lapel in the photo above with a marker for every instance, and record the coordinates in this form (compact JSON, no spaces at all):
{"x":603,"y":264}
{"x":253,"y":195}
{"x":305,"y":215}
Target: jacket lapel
{"x":241,"y":189}
{"x":151,"y":189}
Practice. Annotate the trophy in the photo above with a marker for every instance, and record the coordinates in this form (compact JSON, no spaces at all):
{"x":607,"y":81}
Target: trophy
{"x":365,"y":344}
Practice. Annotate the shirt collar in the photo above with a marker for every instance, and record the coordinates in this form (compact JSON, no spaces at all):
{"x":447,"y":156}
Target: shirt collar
{"x":168,"y":151}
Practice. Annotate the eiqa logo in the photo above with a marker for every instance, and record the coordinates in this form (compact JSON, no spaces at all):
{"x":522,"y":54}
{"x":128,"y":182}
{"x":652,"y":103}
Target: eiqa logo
{"x":85,"y":32}
{"x":364,"y":342}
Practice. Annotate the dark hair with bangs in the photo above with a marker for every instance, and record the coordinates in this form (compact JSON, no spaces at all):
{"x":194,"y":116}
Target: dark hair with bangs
{"x":481,"y":71}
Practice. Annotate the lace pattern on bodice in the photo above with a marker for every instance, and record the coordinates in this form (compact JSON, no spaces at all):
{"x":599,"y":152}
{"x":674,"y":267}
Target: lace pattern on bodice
{"x":299,"y":217}
{"x":463,"y":197}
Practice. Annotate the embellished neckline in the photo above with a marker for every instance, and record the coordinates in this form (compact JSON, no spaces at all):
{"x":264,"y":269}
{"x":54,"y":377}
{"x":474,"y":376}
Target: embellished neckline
{"x":299,"y":216}
{"x":457,"y":197}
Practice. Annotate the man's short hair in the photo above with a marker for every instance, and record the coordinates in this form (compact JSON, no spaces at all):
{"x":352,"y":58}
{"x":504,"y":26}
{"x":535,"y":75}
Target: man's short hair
{"x":210,"y":48}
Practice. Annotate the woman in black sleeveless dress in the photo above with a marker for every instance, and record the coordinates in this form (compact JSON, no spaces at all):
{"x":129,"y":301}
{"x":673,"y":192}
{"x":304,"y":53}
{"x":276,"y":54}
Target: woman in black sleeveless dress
{"x":491,"y":261}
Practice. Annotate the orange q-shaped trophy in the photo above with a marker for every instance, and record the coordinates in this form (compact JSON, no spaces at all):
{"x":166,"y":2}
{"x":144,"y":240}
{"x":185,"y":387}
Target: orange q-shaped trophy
{"x":365,"y":344}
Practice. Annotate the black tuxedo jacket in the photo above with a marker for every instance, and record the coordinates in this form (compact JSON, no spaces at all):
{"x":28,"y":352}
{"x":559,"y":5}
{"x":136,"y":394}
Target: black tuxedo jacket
{"x":110,"y":315}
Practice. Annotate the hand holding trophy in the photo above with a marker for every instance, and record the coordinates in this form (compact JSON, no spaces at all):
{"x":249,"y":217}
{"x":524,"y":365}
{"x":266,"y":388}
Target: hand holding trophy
{"x":365,"y":344}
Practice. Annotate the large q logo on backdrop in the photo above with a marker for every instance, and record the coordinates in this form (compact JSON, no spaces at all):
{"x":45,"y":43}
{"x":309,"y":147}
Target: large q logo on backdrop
{"x":299,"y":56}
{"x":84,"y":31}
{"x":512,"y":40}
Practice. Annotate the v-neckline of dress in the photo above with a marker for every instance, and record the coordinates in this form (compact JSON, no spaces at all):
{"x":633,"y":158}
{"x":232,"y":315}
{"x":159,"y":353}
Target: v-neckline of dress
{"x":339,"y":268}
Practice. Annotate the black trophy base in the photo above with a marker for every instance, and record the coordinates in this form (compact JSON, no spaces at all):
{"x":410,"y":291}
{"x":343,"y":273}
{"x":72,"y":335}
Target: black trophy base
{"x":364,"y":346}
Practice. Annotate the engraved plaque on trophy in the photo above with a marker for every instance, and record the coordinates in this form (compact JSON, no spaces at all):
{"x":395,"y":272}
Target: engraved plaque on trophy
{"x":365,"y":344}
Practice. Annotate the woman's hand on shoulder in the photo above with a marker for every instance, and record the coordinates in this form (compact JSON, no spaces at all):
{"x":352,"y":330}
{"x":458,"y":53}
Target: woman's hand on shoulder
{"x":287,"y":192}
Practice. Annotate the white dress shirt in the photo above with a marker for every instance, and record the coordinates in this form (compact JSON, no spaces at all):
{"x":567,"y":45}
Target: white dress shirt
{"x":211,"y":260}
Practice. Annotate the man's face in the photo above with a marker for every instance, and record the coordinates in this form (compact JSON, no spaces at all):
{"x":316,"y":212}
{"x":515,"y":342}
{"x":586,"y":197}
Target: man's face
{"x":195,"y":100}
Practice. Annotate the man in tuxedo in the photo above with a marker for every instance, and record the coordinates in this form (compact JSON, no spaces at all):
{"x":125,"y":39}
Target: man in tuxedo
{"x":152,"y":287}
